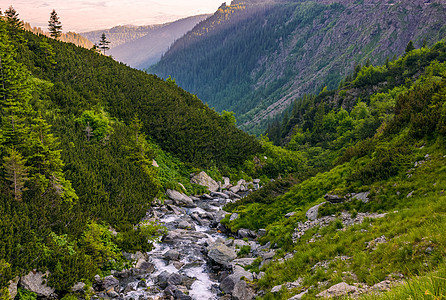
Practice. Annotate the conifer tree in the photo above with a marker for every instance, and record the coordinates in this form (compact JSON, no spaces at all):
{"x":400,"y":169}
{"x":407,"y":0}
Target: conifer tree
{"x":54,"y":25}
{"x":410,"y":47}
{"x":12,"y":18}
{"x":103,"y":43}
{"x":16,"y":172}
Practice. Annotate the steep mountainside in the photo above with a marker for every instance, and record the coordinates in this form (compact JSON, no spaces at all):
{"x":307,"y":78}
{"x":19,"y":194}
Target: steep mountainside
{"x":256,"y":57}
{"x":147,"y":50}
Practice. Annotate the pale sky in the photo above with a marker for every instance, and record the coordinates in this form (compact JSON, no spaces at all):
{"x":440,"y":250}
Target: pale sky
{"x":86,"y":15}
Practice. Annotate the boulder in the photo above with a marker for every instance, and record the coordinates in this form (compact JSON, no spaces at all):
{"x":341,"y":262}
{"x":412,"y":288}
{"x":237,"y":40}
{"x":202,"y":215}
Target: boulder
{"x":203,"y":179}
{"x":313,"y":212}
{"x":109,"y":283}
{"x":220,"y":215}
{"x":332,"y":198}
{"x":12,"y":288}
{"x":242,"y":291}
{"x":276,"y":289}
{"x":78,"y":287}
{"x":338,"y":290}
{"x":34,"y":282}
{"x":256,"y":181}
{"x":246,"y":233}
{"x":219,"y":195}
{"x":180,"y":199}
{"x":226,"y":183}
{"x":235,"y":189}
{"x":171,"y":255}
{"x":362,"y":196}
{"x":220,"y":253}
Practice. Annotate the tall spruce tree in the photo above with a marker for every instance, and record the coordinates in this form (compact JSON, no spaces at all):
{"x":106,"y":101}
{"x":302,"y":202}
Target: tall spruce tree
{"x":15,"y":24}
{"x":103,"y":43}
{"x":410,"y":47}
{"x":54,"y":25}
{"x":16,"y":172}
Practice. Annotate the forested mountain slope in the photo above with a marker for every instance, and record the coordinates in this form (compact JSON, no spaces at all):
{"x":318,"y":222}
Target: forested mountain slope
{"x":256,"y":57}
{"x":78,"y":136}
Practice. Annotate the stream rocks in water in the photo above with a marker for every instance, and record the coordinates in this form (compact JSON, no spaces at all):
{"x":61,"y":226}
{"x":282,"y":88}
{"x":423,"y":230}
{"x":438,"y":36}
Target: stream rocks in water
{"x":194,"y":260}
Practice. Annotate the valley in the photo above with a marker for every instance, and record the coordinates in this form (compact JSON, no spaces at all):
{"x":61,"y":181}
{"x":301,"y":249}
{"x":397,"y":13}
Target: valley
{"x":120,"y":184}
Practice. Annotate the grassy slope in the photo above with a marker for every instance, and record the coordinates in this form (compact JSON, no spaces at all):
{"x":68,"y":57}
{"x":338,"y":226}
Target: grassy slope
{"x":411,"y":196}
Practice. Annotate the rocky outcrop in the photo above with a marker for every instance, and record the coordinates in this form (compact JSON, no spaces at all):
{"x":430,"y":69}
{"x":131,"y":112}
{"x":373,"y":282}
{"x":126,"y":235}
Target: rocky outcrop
{"x":205,"y":180}
{"x":35,"y":282}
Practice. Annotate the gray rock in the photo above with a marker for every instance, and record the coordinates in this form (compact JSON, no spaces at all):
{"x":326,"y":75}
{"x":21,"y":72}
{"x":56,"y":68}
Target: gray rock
{"x":12,"y":288}
{"x":261,"y":232}
{"x":242,"y":291}
{"x":298,"y":296}
{"x":203,"y":179}
{"x":34,"y":282}
{"x":220,"y":215}
{"x":276,"y":289}
{"x":243,"y":261}
{"x":333,"y":198}
{"x":180,"y":199}
{"x":232,"y":195}
{"x":362,"y":196}
{"x":233,"y":217}
{"x":206,"y":196}
{"x":338,"y":290}
{"x":235,"y":189}
{"x":313,"y":212}
{"x":226,"y":182}
{"x":256,"y":181}
{"x":227,"y":285}
{"x":221,"y":254}
{"x":219,"y":195}
{"x":239,"y":273}
{"x":162,"y":279}
{"x":261,"y":275}
{"x":78,"y":287}
{"x":184,"y":225}
{"x":290,"y":214}
{"x":171,"y":255}
{"x":110,"y":282}
{"x":246,"y":233}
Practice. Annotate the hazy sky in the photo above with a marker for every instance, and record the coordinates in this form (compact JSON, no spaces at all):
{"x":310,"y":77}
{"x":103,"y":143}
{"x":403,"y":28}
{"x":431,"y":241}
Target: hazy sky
{"x":85,"y":15}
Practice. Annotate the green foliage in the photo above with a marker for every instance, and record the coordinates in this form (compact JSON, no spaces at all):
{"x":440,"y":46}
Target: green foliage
{"x":141,"y":238}
{"x":23,"y":294}
{"x":97,"y":125}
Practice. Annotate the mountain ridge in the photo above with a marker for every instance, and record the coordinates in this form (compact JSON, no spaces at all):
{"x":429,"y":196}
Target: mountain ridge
{"x":307,"y":45}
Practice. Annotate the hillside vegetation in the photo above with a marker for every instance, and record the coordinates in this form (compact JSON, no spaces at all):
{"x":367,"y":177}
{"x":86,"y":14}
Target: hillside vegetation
{"x":79,"y":133}
{"x":257,"y":57}
{"x":379,"y":142}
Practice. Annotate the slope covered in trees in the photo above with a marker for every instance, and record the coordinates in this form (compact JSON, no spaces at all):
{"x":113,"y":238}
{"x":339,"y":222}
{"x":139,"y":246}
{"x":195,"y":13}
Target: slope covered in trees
{"x":78,"y":136}
{"x":257,"y":57}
